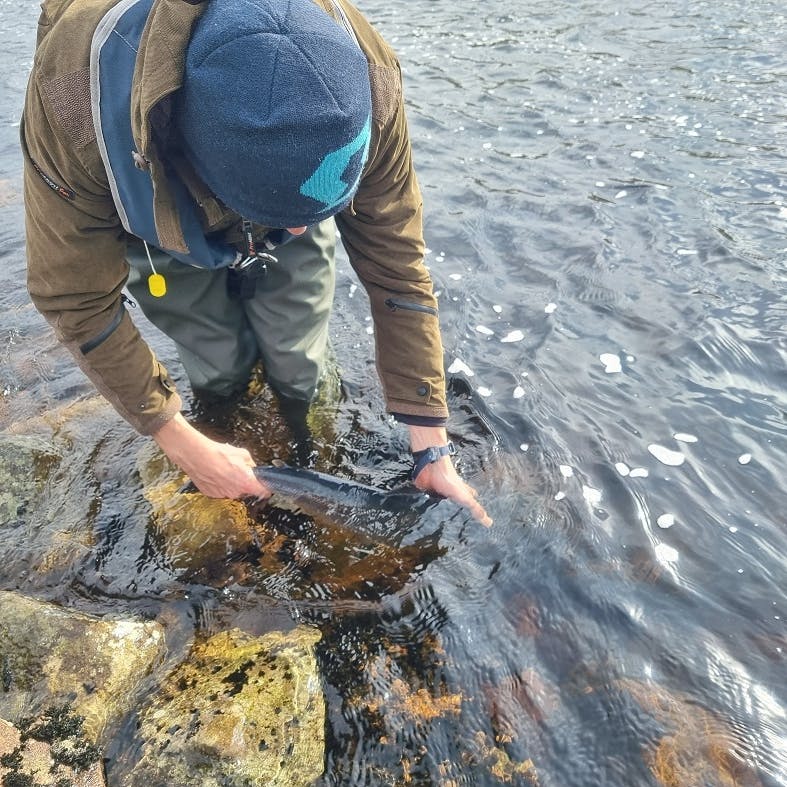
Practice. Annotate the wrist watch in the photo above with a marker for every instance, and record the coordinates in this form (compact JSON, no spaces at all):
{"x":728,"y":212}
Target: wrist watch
{"x":429,"y":455}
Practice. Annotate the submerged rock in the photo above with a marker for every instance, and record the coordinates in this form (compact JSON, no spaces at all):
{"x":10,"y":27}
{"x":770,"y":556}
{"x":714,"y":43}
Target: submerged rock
{"x":241,"y":710}
{"x":25,"y":463}
{"x":196,"y":532}
{"x":482,"y":753}
{"x":399,"y":713}
{"x":47,"y":505}
{"x":50,"y":654}
{"x":698,"y":748}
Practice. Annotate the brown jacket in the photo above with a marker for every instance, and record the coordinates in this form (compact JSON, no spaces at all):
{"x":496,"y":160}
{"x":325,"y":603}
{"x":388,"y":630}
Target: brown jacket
{"x":76,"y":244}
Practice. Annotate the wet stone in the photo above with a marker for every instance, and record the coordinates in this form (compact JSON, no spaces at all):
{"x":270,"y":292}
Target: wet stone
{"x":53,"y":655}
{"x":196,"y":532}
{"x":219,"y":714}
{"x":49,"y":497}
{"x":33,"y":760}
{"x":25,"y":462}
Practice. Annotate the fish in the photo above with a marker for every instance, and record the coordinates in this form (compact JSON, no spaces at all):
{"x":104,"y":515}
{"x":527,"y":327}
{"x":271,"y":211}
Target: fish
{"x":386,"y":516}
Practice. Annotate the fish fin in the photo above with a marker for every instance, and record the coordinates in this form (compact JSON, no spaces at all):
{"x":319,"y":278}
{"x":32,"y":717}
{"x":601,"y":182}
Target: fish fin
{"x":278,"y":463}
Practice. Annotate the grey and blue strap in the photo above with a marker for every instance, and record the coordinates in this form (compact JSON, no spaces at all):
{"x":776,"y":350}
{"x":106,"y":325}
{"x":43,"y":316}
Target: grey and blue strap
{"x":429,"y":455}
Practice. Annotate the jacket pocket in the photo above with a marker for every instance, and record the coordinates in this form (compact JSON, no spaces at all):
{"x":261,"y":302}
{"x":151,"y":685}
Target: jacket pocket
{"x":393,"y":305}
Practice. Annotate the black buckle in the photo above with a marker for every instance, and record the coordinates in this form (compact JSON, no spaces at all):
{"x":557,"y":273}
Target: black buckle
{"x":242,"y":275}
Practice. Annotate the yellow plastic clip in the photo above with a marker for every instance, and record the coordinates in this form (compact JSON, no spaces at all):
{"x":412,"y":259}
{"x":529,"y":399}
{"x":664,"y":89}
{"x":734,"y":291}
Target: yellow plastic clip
{"x":157,"y":284}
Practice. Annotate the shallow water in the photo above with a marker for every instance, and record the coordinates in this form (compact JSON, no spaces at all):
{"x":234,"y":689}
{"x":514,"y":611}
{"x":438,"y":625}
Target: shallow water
{"x":606,"y":213}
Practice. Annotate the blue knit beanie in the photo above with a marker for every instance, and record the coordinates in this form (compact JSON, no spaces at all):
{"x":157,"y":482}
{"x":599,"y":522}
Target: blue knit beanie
{"x":275,"y":109}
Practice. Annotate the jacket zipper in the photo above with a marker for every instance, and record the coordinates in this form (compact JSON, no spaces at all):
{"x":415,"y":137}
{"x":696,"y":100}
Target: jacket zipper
{"x":407,"y":306}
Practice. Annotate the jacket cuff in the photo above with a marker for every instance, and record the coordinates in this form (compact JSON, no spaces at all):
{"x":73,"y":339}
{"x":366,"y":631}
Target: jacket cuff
{"x":151,"y":424}
{"x":419,"y":420}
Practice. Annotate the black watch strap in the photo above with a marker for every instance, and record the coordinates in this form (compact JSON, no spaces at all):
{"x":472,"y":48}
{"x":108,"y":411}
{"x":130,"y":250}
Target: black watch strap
{"x":429,"y":455}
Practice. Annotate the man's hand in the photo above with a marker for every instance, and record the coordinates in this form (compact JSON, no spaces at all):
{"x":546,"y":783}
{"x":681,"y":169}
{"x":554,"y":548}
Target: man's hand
{"x":441,"y":476}
{"x":217,"y":469}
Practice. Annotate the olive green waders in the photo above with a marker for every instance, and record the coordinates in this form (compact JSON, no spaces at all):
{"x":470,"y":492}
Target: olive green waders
{"x":220,"y":340}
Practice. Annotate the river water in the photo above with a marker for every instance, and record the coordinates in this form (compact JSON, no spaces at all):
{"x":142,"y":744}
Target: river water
{"x":605,"y":196}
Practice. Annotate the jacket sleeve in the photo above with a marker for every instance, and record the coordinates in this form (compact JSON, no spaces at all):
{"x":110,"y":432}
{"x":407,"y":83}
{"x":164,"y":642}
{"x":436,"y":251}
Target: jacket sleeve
{"x":76,"y":266}
{"x":383,"y":234}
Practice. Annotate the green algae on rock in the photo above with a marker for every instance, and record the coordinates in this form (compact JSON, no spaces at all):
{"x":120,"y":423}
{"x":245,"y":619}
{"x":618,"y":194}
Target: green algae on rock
{"x":241,"y":710}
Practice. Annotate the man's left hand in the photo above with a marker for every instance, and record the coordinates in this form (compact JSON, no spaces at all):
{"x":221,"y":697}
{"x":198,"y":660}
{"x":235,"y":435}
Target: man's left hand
{"x":441,"y":476}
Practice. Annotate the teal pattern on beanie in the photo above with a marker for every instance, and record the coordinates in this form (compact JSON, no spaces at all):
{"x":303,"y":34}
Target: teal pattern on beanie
{"x":275,"y":109}
{"x":327,"y":184}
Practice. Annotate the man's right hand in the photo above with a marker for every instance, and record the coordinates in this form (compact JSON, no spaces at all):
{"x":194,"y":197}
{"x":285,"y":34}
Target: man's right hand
{"x":217,"y":469}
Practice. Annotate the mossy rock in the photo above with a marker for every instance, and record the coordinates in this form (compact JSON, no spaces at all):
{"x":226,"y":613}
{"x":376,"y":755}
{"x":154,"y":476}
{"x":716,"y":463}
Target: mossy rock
{"x":241,"y":710}
{"x":50,"y":654}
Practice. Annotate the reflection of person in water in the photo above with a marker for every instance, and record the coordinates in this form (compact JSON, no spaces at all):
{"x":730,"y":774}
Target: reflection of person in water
{"x":201,"y":151}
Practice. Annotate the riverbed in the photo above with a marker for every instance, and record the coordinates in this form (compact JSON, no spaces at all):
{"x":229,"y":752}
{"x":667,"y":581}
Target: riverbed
{"x":605,"y":193}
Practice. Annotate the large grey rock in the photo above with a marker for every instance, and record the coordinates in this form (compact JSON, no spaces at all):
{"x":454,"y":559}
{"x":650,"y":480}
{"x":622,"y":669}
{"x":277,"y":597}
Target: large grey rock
{"x":241,"y":710}
{"x":52,"y":655}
